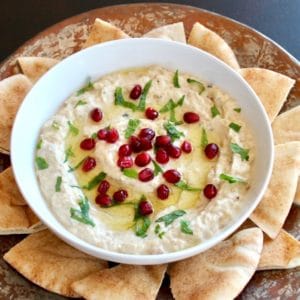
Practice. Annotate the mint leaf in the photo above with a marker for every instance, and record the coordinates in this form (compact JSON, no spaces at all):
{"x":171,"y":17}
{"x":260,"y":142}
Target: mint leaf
{"x":204,"y":139}
{"x":157,"y":229}
{"x":94,"y":135}
{"x":94,"y":181}
{"x":231,"y":179}
{"x":171,"y":217}
{"x":39,"y":144}
{"x":71,"y":169}
{"x":244,"y":153}
{"x":238,"y":109}
{"x":55,"y":125}
{"x":172,"y":131}
{"x":185,"y":187}
{"x":119,"y":100}
{"x":130,"y":172}
{"x":157,"y":168}
{"x":131,"y":127}
{"x":80,"y":102}
{"x":214,"y":111}
{"x":86,"y":88}
{"x":69,"y":153}
{"x":142,"y":225}
{"x":200,"y":85}
{"x":185,"y":227}
{"x":176,"y":79}
{"x":82,"y":215}
{"x":72,"y":129}
{"x":142,"y":104}
{"x":235,"y":127}
{"x":58,"y":184}
{"x":41,"y":163}
{"x":168,"y":106}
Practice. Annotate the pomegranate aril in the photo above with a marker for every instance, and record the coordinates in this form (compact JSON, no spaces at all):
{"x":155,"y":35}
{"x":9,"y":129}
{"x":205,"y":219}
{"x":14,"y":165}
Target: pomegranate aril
{"x":151,"y":113}
{"x":162,"y":141}
{"x":191,"y":117}
{"x":162,"y":156}
{"x":186,"y":147}
{"x":112,"y":135}
{"x":211,"y":150}
{"x":135,"y":92}
{"x":125,"y":162}
{"x":145,"y":208}
{"x":124,"y":150}
{"x":173,"y":151}
{"x":102,"y":134}
{"x":147,"y":133}
{"x":142,"y":159}
{"x":172,"y":176}
{"x":120,"y":195}
{"x":146,"y":175}
{"x":87,"y":144}
{"x":96,"y":115}
{"x":103,"y":187}
{"x":210,"y":191}
{"x":135,"y":144}
{"x":145,"y":144}
{"x":103,"y":200}
{"x":88,"y":164}
{"x":162,"y":192}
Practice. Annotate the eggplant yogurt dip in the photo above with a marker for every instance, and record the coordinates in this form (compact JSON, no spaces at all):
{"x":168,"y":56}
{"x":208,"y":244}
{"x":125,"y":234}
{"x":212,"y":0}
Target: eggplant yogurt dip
{"x":146,"y":161}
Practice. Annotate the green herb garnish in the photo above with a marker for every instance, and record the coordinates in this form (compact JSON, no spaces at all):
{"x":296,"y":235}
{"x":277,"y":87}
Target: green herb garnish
{"x":161,"y":234}
{"x":41,"y":163}
{"x":172,"y":131}
{"x":71,"y":169}
{"x":170,"y":107}
{"x":55,"y":125}
{"x":142,"y":224}
{"x":131,"y":127}
{"x":176,"y":79}
{"x":244,"y":153}
{"x":231,"y":179}
{"x":204,"y":139}
{"x":82,"y":215}
{"x":94,"y":135}
{"x":68,"y":153}
{"x":142,"y":104}
{"x":157,"y":168}
{"x":200,"y":85}
{"x":171,"y":217}
{"x":119,"y":100}
{"x":185,"y":187}
{"x":86,"y":88}
{"x":235,"y":127}
{"x":58,"y":184}
{"x":130,"y":172}
{"x":39,"y":144}
{"x":94,"y":181}
{"x":214,"y":111}
{"x":157,"y":229}
{"x":72,"y":129}
{"x":80,"y":102}
{"x":238,"y":109}
{"x":185,"y":227}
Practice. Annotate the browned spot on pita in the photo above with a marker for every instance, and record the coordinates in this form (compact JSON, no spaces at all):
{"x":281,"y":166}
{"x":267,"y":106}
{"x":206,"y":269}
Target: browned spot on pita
{"x":50,"y":263}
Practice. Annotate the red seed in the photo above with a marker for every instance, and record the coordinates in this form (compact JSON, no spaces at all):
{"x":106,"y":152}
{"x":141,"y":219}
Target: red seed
{"x":173,"y":151}
{"x":135,"y":92}
{"x":87,"y":144}
{"x":125,"y":162}
{"x":162,"y":156}
{"x":124,"y":150}
{"x":102,"y":134}
{"x":103,"y":200}
{"x":191,"y":117}
{"x":147,"y":133}
{"x":120,"y":195}
{"x":145,"y":208}
{"x":112,"y":135}
{"x":211,"y":150}
{"x":186,"y":147}
{"x":142,"y":159}
{"x":96,"y":115}
{"x":103,"y":187}
{"x":210,"y":191}
{"x":172,"y":176}
{"x":151,"y":113}
{"x":162,"y":141}
{"x":135,"y":144}
{"x":146,"y":175}
{"x":88,"y":164}
{"x":146,"y":144}
{"x":162,"y":192}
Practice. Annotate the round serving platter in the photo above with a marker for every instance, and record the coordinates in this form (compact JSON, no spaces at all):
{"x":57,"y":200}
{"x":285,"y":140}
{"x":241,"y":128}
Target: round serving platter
{"x":252,"y":50}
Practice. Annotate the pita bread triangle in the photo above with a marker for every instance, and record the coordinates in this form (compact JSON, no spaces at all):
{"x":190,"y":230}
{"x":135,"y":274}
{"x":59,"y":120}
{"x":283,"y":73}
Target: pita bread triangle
{"x":209,"y":41}
{"x":271,"y":87}
{"x":173,"y":32}
{"x":35,"y":67}
{"x":122,"y":282}
{"x":297,"y":196}
{"x":103,"y":31}
{"x":50,"y":263}
{"x":220,"y":272}
{"x":12,"y":92}
{"x":271,"y":212}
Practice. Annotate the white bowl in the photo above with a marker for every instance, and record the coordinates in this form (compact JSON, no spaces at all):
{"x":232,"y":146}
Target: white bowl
{"x":61,"y":81}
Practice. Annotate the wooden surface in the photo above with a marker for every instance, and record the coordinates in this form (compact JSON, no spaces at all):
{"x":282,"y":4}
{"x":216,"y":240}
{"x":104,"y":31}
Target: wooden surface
{"x":251,"y":48}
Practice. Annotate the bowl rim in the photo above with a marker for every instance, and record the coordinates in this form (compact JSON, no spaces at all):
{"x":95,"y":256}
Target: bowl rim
{"x":143,"y":259}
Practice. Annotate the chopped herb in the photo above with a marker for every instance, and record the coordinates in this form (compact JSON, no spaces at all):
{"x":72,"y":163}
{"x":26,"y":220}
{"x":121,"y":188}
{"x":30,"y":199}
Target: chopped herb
{"x":39,"y":144}
{"x":161,"y":234}
{"x":71,"y":169}
{"x":157,"y":229}
{"x":94,"y":135}
{"x":141,"y":226}
{"x":94,"y":181}
{"x":244,"y":153}
{"x":170,"y":105}
{"x":204,"y":139}
{"x":185,"y":187}
{"x":80,"y":102}
{"x":231,"y":179}
{"x":238,"y":109}
{"x":86,"y":88}
{"x":180,"y":101}
{"x":58,"y":184}
{"x":72,"y":129}
{"x":142,"y":104}
{"x":176,"y":79}
{"x":82,"y":215}
{"x":171,"y":217}
{"x":214,"y":111}
{"x":131,"y":127}
{"x":130,"y":172}
{"x":172,"y":131}
{"x":68,"y":153}
{"x":55,"y":125}
{"x":41,"y":163}
{"x":157,"y":168}
{"x":185,"y":227}
{"x":235,"y":127}
{"x":119,"y":100}
{"x":200,"y":85}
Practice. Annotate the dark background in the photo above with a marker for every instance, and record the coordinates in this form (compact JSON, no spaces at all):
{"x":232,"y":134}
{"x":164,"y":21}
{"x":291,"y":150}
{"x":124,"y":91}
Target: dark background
{"x":22,"y":19}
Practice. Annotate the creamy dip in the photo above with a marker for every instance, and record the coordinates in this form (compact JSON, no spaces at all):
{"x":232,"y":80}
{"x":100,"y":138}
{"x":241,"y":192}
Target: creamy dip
{"x":187,"y":217}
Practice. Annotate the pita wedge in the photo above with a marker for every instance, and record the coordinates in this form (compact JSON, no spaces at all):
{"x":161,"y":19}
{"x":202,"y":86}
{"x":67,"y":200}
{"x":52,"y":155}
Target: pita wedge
{"x":50,"y":263}
{"x":209,"y":41}
{"x":173,"y":32}
{"x":103,"y":32}
{"x":220,"y":272}
{"x":281,"y":253}
{"x":272,"y":88}
{"x":297,"y":196}
{"x":12,"y":92}
{"x":35,"y":67}
{"x":275,"y":205}
{"x":122,"y":282}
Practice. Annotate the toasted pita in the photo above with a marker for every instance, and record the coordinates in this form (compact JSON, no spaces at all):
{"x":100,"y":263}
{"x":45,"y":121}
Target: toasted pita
{"x":173,"y":32}
{"x":103,"y":31}
{"x":12,"y":92}
{"x":50,"y":263}
{"x":122,"y":282}
{"x":35,"y":67}
{"x":220,"y":272}
{"x":281,"y":253}
{"x":273,"y":209}
{"x":297,"y":196}
{"x":272,"y":88}
{"x":209,"y":41}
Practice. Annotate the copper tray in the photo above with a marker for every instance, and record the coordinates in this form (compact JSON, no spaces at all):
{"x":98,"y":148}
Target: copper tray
{"x":252,"y":49}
